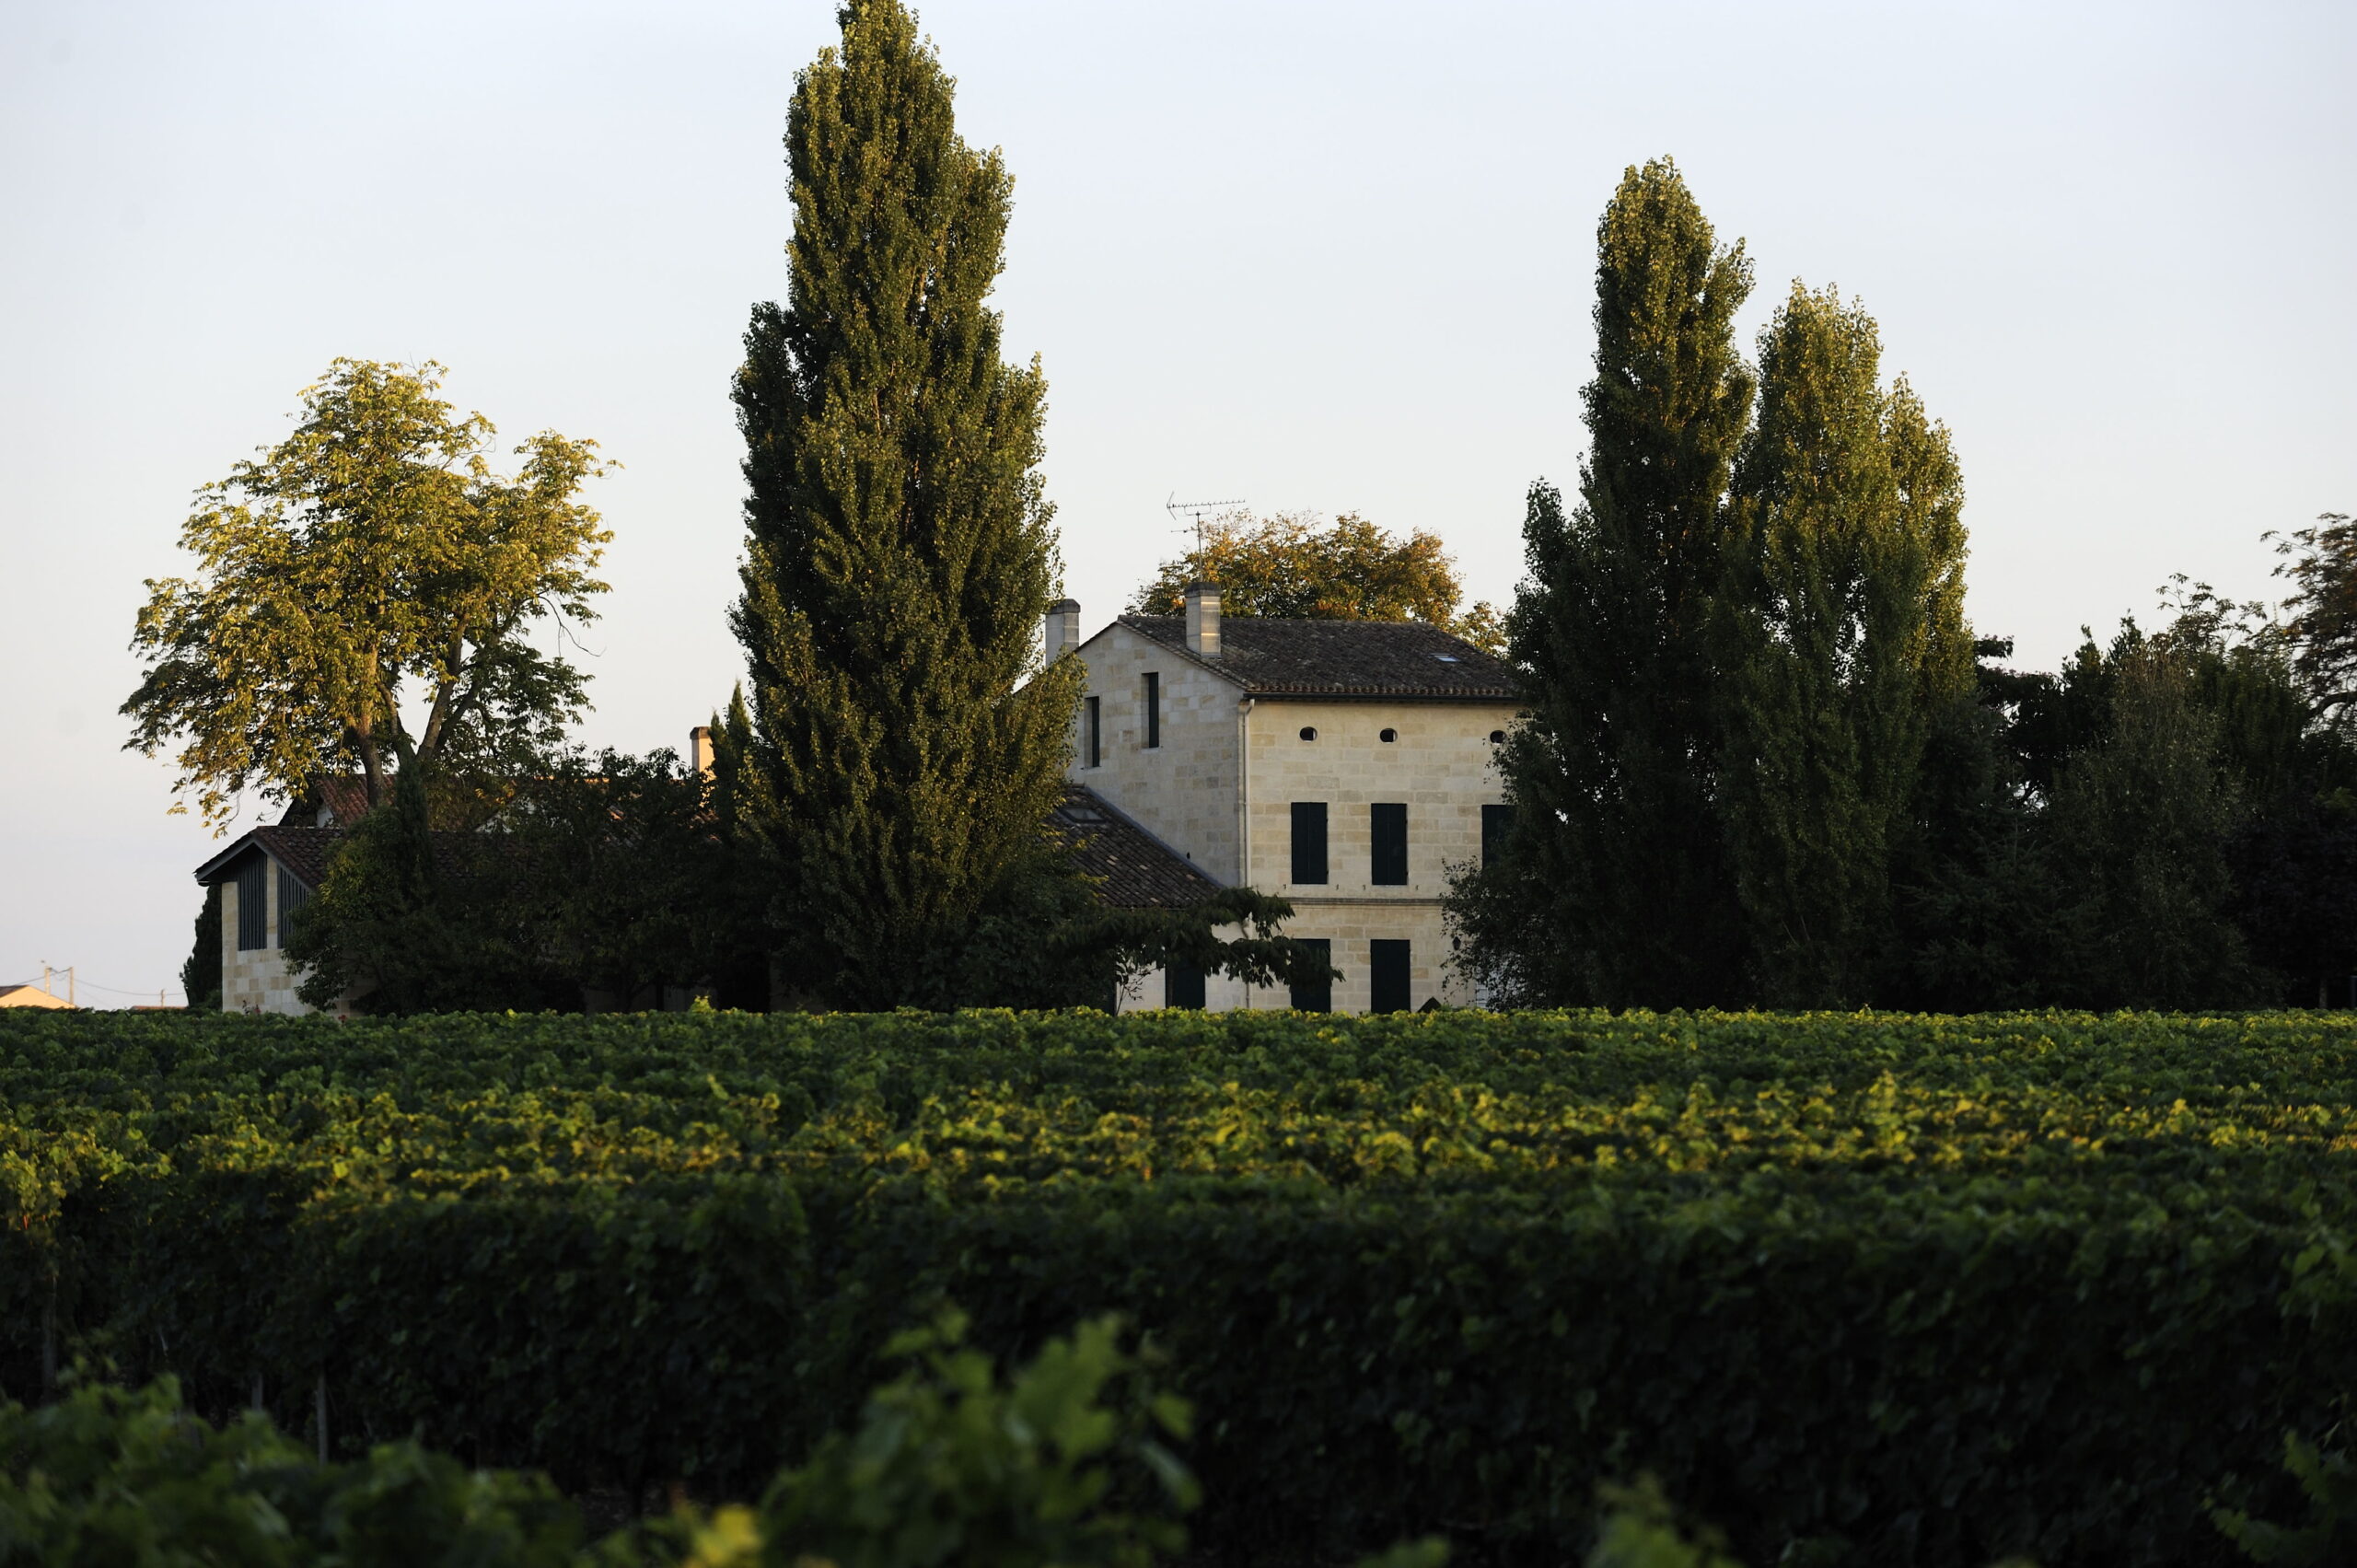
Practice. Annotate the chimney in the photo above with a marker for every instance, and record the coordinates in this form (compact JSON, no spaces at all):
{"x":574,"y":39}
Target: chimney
{"x":700,"y":749}
{"x":1202,"y":619}
{"x":1063,"y":629}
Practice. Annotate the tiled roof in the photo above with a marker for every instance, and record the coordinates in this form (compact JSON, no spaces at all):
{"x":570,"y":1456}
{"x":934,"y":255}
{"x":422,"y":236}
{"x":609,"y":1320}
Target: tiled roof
{"x":1133,"y":868}
{"x":1342,"y":658}
{"x":345,"y":795}
{"x":1136,"y":870}
{"x":305,"y":851}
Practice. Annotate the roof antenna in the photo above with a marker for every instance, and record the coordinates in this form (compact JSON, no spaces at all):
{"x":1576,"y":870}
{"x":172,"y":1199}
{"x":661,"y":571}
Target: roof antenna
{"x":1176,"y":508}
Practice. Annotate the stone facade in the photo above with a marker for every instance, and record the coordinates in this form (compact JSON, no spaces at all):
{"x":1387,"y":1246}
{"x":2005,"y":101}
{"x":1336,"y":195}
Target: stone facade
{"x":256,"y":980}
{"x":1220,"y":788}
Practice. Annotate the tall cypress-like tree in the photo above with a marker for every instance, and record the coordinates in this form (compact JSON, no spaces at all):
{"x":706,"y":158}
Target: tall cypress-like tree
{"x":1617,"y":886}
{"x":1843,"y":633}
{"x":900,"y":549}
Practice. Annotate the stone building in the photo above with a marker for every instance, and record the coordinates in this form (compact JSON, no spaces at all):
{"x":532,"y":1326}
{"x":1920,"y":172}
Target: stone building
{"x":264,"y":876}
{"x":1347,"y":765}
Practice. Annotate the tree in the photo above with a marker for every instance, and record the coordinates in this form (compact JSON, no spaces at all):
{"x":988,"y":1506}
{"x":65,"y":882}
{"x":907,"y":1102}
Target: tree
{"x":2321,"y":562}
{"x":1615,"y":887}
{"x":902,"y":746}
{"x":371,"y":563}
{"x":409,"y":919}
{"x":2137,"y":835}
{"x":1288,"y":566}
{"x":201,"y":974}
{"x":1842,"y":634}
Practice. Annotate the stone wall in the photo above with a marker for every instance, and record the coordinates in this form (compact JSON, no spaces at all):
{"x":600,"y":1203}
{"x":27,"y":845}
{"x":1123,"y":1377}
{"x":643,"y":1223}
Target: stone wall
{"x":1183,"y":792}
{"x":255,"y":979}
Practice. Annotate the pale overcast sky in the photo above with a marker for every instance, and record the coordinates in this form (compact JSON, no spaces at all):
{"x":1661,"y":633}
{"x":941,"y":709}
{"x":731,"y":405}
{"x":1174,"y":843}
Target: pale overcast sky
{"x":1329,"y":256}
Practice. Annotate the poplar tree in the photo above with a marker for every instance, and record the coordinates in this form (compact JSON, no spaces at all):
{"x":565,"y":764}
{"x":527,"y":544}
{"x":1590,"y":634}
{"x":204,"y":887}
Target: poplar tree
{"x":898,"y":556}
{"x":1842,"y":633}
{"x":1617,"y":886}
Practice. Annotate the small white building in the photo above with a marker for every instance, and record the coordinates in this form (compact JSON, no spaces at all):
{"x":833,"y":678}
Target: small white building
{"x":264,"y":878}
{"x":1347,"y":765}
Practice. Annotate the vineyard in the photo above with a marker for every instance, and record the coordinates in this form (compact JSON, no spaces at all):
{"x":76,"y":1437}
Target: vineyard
{"x":1863,"y":1288}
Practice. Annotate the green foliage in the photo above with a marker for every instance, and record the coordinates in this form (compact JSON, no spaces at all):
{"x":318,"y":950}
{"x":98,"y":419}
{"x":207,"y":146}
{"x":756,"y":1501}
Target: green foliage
{"x":1844,"y":630}
{"x":372,"y":558}
{"x":2330,"y":1482}
{"x":2321,"y":562}
{"x":947,"y":1467}
{"x":109,"y":1476}
{"x":1059,"y":1466}
{"x":1940,"y":1288}
{"x":1641,"y":1530}
{"x":201,"y":972}
{"x":1289,"y":567}
{"x":410,"y":919}
{"x":902,"y":747}
{"x":1616,"y":888}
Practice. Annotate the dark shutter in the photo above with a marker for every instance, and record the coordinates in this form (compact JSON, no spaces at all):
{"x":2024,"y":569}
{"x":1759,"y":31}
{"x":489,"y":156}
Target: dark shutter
{"x":1095,"y":732}
{"x":1309,"y":843}
{"x":1316,"y":998}
{"x":1182,"y":985}
{"x":292,"y":896}
{"x":1496,"y":822}
{"x":1387,"y":976}
{"x":253,"y":907}
{"x":1153,"y":710}
{"x":1388,"y":826}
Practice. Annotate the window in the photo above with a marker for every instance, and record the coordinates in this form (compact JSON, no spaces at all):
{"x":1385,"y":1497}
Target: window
{"x":1095,"y":743}
{"x":1497,"y":738}
{"x":1388,"y":735}
{"x":1318,"y":998}
{"x":253,"y":909}
{"x":1309,"y":732}
{"x":292,"y":896}
{"x":1387,"y":829}
{"x":1182,"y":985}
{"x":1309,"y":843}
{"x":1387,"y":988}
{"x":1152,"y":710}
{"x":1497,"y":822}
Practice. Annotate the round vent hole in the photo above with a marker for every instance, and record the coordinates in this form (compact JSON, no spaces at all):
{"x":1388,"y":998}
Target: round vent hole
{"x":1389,"y":735}
{"x":1309,"y":732}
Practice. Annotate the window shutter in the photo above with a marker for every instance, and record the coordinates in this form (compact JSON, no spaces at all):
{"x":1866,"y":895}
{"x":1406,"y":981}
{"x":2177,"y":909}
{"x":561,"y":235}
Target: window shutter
{"x":1316,"y":998}
{"x":1496,"y":822}
{"x":1388,"y":825}
{"x":1388,"y":976}
{"x":1309,"y":843}
{"x":253,"y":906}
{"x":1182,"y":985}
{"x":292,"y":896}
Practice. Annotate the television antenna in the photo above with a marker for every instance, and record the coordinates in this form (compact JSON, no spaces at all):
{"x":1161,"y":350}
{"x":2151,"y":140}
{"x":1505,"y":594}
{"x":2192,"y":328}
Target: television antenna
{"x":1180,"y":509}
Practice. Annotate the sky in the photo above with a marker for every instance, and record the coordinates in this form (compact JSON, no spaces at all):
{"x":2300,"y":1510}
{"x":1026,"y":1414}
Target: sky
{"x":1333,"y":257}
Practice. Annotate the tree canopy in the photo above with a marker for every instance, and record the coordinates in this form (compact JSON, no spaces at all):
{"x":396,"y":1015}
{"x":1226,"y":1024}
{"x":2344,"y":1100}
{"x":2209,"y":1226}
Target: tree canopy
{"x":904,"y":747}
{"x":367,"y":588}
{"x":1290,"y":565}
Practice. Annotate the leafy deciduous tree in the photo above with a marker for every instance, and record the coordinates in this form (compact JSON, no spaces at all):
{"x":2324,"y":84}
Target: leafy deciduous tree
{"x":1289,"y":567}
{"x":371,"y":561}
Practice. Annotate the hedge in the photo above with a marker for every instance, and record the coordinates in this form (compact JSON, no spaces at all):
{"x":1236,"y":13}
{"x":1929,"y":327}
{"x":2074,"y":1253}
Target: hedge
{"x":1870,"y":1289}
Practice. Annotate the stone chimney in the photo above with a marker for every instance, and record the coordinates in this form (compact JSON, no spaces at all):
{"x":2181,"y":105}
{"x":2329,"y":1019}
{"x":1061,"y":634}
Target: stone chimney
{"x":1202,"y":619}
{"x":700,"y":749}
{"x":1064,"y":628}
